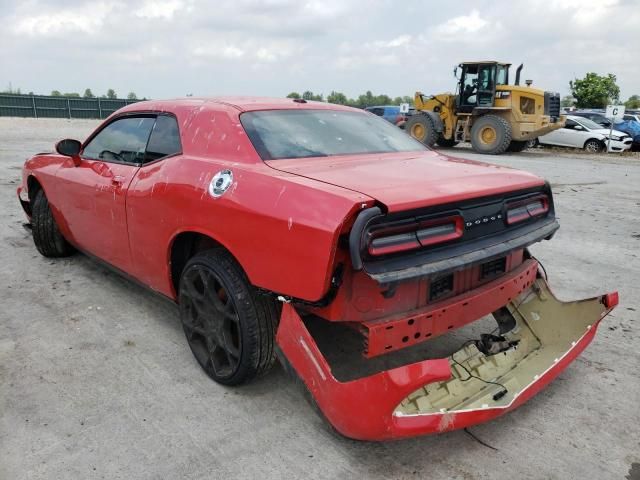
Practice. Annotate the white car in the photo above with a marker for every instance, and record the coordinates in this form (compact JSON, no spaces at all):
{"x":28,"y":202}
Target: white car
{"x":580,"y":132}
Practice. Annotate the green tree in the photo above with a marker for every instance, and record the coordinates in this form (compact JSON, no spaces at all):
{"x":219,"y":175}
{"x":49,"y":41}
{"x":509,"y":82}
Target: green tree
{"x":132,"y":96}
{"x":309,"y":95}
{"x":337,"y":97}
{"x":595,"y":91}
{"x":71,"y":95}
{"x":88,"y":93}
{"x":56,"y":93}
{"x":111,"y":93}
{"x":567,"y":101}
{"x":293,"y":95}
{"x":633,"y":102}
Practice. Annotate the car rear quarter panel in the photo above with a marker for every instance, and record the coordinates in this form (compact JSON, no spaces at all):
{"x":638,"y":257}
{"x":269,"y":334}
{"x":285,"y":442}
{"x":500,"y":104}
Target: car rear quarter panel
{"x":282,"y":228}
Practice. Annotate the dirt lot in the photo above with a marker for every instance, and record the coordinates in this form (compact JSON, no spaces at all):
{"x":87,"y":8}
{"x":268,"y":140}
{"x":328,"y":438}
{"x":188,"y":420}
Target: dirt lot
{"x":97,"y":381}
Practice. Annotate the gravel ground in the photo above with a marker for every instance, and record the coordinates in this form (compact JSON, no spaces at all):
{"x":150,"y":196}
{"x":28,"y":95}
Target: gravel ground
{"x":97,"y":381}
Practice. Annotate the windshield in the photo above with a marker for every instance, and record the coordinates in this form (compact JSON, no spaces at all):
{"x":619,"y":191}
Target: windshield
{"x":585,"y":122}
{"x":278,"y":134}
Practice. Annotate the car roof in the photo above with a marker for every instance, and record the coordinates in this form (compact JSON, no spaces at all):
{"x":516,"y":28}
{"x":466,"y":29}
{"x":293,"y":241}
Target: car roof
{"x":382,"y":106}
{"x":241,"y":103}
{"x":580,"y":114}
{"x":575,"y":117}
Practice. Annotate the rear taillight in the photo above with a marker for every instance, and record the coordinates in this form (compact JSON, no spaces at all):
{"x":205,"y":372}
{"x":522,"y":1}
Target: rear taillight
{"x":531,"y":207}
{"x":411,"y":236}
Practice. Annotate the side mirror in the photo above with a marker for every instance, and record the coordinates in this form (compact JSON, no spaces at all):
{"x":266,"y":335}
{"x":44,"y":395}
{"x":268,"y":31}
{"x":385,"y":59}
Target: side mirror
{"x":70,"y":148}
{"x":578,"y":127}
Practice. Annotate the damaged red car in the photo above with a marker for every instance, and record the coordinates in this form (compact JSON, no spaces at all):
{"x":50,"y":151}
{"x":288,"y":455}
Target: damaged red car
{"x":327,"y":238}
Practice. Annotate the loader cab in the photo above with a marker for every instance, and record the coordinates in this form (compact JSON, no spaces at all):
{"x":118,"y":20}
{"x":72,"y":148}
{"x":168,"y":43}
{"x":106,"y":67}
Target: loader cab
{"x":477,"y":84}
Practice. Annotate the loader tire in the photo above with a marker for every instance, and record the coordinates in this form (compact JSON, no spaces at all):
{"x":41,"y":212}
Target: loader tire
{"x":517,"y":146}
{"x":422,"y":128}
{"x":446,"y":142}
{"x":491,"y":135}
{"x":46,"y":235}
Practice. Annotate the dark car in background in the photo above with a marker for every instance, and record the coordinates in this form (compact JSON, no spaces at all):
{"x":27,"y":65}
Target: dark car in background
{"x":597,"y":117}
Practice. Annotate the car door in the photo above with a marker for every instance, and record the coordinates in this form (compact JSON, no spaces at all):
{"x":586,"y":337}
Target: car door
{"x":576,"y":134}
{"x":93,"y":193}
{"x":559,"y":136}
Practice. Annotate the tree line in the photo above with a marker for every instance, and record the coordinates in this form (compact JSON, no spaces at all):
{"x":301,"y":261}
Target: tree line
{"x":111,"y":94}
{"x":367,"y":99}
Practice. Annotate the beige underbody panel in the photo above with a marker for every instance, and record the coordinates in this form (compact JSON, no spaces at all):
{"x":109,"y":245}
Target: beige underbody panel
{"x":546,"y":328}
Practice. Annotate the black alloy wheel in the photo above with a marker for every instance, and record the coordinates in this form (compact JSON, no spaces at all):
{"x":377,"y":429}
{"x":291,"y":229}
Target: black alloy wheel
{"x":230,"y":328}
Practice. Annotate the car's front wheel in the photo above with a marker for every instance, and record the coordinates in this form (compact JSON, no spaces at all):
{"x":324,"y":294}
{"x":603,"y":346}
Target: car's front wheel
{"x":46,"y":234}
{"x":229,"y":326}
{"x":593,"y":146}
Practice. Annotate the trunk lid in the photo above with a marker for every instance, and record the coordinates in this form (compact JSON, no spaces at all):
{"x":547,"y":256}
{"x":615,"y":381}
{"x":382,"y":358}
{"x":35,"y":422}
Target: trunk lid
{"x":408,"y":180}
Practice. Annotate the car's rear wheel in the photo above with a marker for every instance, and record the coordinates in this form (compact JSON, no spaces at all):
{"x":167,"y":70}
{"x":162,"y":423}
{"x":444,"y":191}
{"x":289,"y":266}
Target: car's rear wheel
{"x":593,"y":146}
{"x":230,"y":328}
{"x":46,"y":234}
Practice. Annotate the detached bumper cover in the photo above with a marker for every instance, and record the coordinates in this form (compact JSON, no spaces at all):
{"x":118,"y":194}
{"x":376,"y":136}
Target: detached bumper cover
{"x":433,"y":396}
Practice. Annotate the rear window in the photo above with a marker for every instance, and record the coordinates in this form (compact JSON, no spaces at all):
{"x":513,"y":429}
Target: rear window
{"x":278,"y":134}
{"x":164,"y":139}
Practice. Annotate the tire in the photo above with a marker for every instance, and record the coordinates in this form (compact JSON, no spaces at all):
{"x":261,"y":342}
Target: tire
{"x":446,"y":142}
{"x":230,"y":328}
{"x":46,"y":235}
{"x":517,"y":146}
{"x":593,"y":146}
{"x":490,"y":135}
{"x":422,"y":128}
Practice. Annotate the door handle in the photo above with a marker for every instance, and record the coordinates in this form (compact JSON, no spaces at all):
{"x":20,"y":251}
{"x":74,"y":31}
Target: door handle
{"x":117,"y":180}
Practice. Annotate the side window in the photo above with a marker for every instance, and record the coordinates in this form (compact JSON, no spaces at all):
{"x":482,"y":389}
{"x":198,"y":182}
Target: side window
{"x":164,"y":140}
{"x":571,"y":125}
{"x":123,"y":140}
{"x":377,"y":111}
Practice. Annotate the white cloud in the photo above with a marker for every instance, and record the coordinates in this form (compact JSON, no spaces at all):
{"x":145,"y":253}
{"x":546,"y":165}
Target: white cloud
{"x":84,"y":19}
{"x":584,"y":12}
{"x":464,"y":24}
{"x":219,"y":51}
{"x":400,"y":41}
{"x":159,"y":9}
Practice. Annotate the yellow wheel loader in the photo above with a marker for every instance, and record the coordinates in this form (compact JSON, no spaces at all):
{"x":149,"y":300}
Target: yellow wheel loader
{"x":486,"y":111}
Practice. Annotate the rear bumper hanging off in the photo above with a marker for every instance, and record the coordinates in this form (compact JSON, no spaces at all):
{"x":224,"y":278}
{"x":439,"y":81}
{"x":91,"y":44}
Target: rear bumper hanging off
{"x":438,"y":395}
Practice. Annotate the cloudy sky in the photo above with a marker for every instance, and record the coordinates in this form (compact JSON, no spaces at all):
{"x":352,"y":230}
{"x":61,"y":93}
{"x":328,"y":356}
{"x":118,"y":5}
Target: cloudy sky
{"x":168,"y":48}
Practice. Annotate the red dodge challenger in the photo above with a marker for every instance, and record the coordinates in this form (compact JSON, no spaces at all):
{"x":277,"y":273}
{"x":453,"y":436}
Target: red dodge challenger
{"x":325,"y":237}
